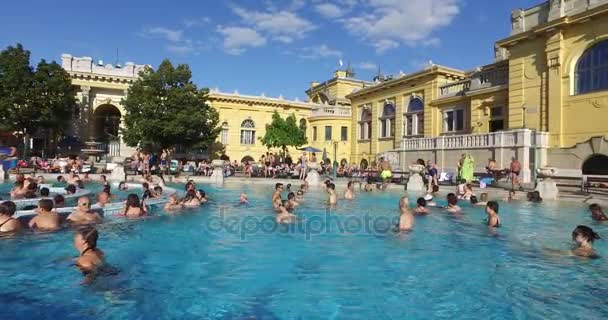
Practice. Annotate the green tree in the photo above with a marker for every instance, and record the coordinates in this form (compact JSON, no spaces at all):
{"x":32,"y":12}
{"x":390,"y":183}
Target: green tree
{"x":282,"y":133}
{"x":33,"y":99}
{"x":164,"y":108}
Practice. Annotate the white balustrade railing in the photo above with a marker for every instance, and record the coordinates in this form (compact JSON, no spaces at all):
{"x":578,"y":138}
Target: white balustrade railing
{"x":454,"y":89}
{"x":502,"y":139}
{"x":331,"y":111}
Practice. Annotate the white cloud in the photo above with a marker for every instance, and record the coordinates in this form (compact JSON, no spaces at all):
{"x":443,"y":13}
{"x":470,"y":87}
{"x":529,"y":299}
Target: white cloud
{"x":182,"y":49}
{"x":367,"y":66}
{"x":329,"y":10}
{"x":283,"y":26}
{"x":237,"y":39}
{"x":392,"y":23}
{"x":317,"y":52}
{"x":173,"y":35}
{"x":197,"y":22}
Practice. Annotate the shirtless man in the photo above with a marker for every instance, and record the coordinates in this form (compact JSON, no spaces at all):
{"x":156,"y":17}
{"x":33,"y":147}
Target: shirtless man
{"x":291,"y":202}
{"x":331,"y":190}
{"x":421,"y":206}
{"x":47,"y":219}
{"x":83,"y":213}
{"x":103,"y":198}
{"x":406,"y":218}
{"x":350,"y":192}
{"x":515,"y":171}
{"x":453,"y":204}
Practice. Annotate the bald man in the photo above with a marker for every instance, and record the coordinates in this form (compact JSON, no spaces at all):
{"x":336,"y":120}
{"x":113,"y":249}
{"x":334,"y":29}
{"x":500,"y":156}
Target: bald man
{"x":83,"y":213}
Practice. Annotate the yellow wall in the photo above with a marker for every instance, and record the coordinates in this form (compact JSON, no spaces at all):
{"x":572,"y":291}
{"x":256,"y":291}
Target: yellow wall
{"x":343,"y":147}
{"x":235,"y":110}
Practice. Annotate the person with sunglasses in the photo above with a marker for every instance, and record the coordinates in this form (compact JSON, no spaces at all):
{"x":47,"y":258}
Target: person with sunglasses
{"x":83,"y":213}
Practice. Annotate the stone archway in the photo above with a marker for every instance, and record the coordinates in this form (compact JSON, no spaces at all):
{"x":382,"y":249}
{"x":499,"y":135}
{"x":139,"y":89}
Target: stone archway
{"x":106,"y":123}
{"x":596,"y":164}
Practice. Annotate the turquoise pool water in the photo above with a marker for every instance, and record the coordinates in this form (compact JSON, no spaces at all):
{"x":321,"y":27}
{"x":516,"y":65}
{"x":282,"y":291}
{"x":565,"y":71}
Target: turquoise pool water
{"x":230,"y":262}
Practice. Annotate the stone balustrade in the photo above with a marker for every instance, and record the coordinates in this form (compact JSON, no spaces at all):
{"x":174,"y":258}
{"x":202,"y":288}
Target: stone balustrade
{"x":86,"y":65}
{"x":486,"y":77}
{"x":454,"y":89}
{"x":331,"y":111}
{"x":502,"y":139}
{"x":523,"y":20}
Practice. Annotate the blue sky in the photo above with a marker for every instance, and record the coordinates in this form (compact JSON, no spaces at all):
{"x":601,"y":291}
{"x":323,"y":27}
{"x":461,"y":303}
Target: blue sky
{"x":270,"y":46}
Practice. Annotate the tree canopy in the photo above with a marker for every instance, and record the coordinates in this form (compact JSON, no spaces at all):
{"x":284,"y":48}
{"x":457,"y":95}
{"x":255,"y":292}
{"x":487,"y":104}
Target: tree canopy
{"x":164,"y":108}
{"x":282,"y":133}
{"x":33,"y":98}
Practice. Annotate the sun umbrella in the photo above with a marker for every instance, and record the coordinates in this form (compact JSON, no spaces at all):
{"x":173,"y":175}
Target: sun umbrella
{"x":310,"y":149}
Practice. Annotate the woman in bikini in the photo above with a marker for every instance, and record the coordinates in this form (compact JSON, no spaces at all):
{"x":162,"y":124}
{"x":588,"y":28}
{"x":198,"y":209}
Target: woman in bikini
{"x":90,"y":258}
{"x":8,"y":224}
{"x":134,"y":208}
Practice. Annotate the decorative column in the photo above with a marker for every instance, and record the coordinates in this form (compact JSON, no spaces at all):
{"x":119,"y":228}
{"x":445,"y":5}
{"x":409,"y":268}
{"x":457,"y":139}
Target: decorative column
{"x":554,"y":89}
{"x":85,"y":113}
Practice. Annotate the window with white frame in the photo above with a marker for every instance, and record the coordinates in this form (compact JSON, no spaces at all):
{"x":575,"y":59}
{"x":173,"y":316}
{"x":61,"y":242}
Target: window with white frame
{"x":224,"y":135}
{"x":453,"y":120}
{"x":248,"y":132}
{"x":497,"y":118}
{"x":365,"y":123}
{"x":413,"y":118}
{"x":387,"y":120}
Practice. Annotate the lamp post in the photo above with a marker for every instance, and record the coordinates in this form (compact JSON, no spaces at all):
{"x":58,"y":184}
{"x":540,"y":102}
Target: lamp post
{"x":335,"y":164}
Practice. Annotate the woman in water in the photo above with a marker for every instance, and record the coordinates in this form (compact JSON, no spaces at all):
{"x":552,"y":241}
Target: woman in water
{"x":493,"y":219}
{"x":584,"y":236}
{"x":8,"y":224}
{"x":91,"y":258}
{"x":173,"y":204}
{"x":191,"y":200}
{"x":134,"y":208}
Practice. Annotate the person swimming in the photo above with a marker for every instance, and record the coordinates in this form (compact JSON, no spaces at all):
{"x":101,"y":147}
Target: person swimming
{"x":597,"y":213}
{"x":421,"y":206}
{"x":191,"y":199}
{"x":243,"y":198}
{"x":368,"y":187}
{"x":8,"y":224}
{"x":583,"y":237}
{"x":349,"y":194}
{"x":493,"y":220}
{"x":291,"y":202}
{"x":406,"y":219}
{"x":201,"y":195}
{"x":453,"y":204}
{"x":173,"y":204}
{"x":534,"y":196}
{"x":122,"y":186}
{"x":90,"y":258}
{"x":282,"y":215}
{"x":46,"y":219}
{"x":331,"y":190}
{"x":429,"y":200}
{"x":83,"y":213}
{"x":103,"y":198}
{"x":133,"y":207}
{"x":59,"y":201}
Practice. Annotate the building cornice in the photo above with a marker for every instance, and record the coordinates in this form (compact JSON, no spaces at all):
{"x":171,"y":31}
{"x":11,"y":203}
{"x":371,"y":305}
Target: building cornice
{"x":215,"y":95}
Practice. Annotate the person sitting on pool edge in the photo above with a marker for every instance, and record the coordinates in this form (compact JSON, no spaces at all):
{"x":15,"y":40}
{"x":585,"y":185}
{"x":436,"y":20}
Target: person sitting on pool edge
{"x":134,"y":208}
{"x":421,"y":206}
{"x":493,"y":219}
{"x":83,"y":213}
{"x":349,"y":194}
{"x":90,"y":257}
{"x":8,"y":224}
{"x":406,"y":219}
{"x":584,"y":236}
{"x":597,"y":213}
{"x":46,"y":219}
{"x":453,"y":204}
{"x":333,"y":198}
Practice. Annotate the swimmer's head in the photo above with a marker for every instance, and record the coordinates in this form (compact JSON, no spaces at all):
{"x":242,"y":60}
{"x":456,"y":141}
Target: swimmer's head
{"x":278,"y":186}
{"x":60,"y":179}
{"x":350,"y":184}
{"x":300,"y":193}
{"x":133,"y":200}
{"x":483,"y":197}
{"x":421,"y":202}
{"x":45,"y":204}
{"x":331,"y":186}
{"x":288,"y":186}
{"x":8,"y":208}
{"x":595,"y":208}
{"x":291,"y":196}
{"x":452,"y":199}
{"x":44,"y":192}
{"x":403,"y":202}
{"x":492,"y":207}
{"x":86,"y":237}
{"x":582,"y":234}
{"x":70,"y":189}
{"x":474,"y":200}
{"x":103,"y":197}
{"x":59,"y":200}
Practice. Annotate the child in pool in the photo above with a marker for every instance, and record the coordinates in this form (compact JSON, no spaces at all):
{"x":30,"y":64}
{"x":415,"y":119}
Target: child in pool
{"x":584,"y":236}
{"x":421,"y":206}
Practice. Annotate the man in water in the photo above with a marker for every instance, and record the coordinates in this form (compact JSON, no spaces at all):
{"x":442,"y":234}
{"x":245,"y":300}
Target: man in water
{"x":350,"y":192}
{"x":597,"y":213}
{"x":406,"y":218}
{"x":83,"y":213}
{"x":243,"y":198}
{"x":103,"y":198}
{"x":515,"y":171}
{"x":331,"y":190}
{"x":283,"y":216}
{"x":47,"y":219}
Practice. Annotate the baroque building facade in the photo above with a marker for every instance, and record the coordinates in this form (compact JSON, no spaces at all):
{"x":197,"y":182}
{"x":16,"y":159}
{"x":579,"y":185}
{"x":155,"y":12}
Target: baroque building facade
{"x":544,"y":101}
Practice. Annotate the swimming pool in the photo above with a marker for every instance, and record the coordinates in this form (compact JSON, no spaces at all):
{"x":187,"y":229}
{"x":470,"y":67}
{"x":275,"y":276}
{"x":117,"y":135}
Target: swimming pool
{"x":230,"y":262}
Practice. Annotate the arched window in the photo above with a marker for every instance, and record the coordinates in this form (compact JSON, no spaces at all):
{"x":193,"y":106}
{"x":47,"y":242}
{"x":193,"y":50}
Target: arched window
{"x":303,"y":125}
{"x":248,"y":132}
{"x":224,"y":135}
{"x":592,"y":69}
{"x":413,"y":118}
{"x":365,"y":123}
{"x":387,"y":120}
